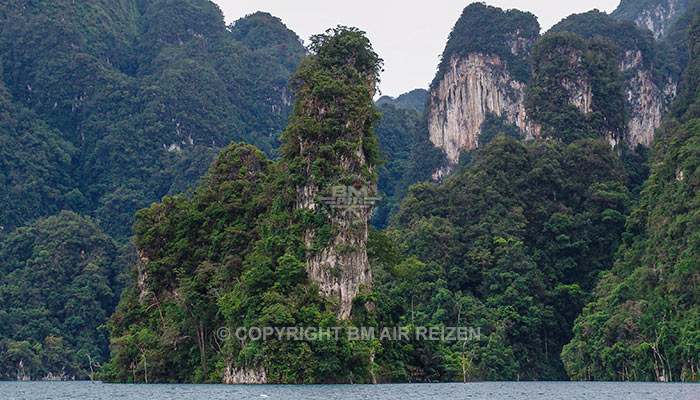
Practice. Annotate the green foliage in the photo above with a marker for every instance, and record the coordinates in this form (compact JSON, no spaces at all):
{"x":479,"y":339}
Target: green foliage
{"x":108,"y":106}
{"x":492,"y":127}
{"x":566,"y":71}
{"x":268,"y":37}
{"x":676,"y":37}
{"x":513,"y":245}
{"x":495,"y":126}
{"x":636,"y":163}
{"x":334,"y":116}
{"x":408,"y":157}
{"x":35,"y":165}
{"x":59,"y":283}
{"x":686,"y":106}
{"x":490,"y":30}
{"x":130,"y":92}
{"x":195,"y":249}
{"x":414,"y":100}
{"x":643,"y":323}
{"x":231,"y":254}
{"x":655,"y":55}
{"x":397,"y":136}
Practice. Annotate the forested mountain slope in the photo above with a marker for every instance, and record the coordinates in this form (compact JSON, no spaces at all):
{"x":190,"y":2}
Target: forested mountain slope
{"x":105,"y":107}
{"x":413,"y":100}
{"x":516,"y":197}
{"x":140,"y":95}
{"x":649,"y":70}
{"x":518,"y":237}
{"x":655,"y":15}
{"x":644,"y":323}
{"x":60,"y":281}
{"x":514,"y":244}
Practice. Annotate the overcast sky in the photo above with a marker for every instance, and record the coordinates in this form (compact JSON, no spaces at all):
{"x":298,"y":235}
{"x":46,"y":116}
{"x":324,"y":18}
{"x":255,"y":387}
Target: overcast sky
{"x":408,"y":35}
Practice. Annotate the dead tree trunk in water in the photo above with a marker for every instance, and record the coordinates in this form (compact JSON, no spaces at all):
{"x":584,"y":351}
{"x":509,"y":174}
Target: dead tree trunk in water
{"x":145,"y":365}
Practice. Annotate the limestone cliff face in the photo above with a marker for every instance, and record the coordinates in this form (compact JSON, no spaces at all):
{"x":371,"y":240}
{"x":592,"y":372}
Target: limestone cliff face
{"x":341,"y":269}
{"x":331,"y":149}
{"x":479,"y":83}
{"x":471,"y":87}
{"x":646,"y":101}
{"x":483,"y":71}
{"x":580,"y":94}
{"x":655,"y":16}
{"x":243,"y":375}
{"x":646,"y":91}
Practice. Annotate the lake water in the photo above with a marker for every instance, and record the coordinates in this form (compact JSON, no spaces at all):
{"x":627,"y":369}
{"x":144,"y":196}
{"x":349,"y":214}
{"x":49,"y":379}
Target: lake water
{"x":442,"y":391}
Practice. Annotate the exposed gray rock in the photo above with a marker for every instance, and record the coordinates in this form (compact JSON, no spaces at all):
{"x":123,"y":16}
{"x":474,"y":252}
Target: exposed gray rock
{"x":472,"y":87}
{"x":646,"y":101}
{"x":342,"y":268}
{"x":656,"y":16}
{"x":243,"y":375}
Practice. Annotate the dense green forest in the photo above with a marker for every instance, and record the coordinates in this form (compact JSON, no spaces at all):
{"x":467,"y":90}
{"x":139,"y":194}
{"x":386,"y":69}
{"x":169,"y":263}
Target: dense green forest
{"x":564,"y":64}
{"x":164,"y":175}
{"x":514,"y":244}
{"x":105,"y":107}
{"x":664,"y":56}
{"x":644,"y":322}
{"x":232,"y":253}
{"x":136,"y":97}
{"x":60,"y":281}
{"x":398,"y":136}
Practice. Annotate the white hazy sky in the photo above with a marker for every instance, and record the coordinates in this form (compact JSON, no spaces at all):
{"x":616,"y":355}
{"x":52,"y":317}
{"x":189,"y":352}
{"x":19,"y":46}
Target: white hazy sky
{"x":408,"y":35}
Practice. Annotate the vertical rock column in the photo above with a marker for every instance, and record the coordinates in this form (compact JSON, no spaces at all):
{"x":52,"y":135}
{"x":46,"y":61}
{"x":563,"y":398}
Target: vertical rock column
{"x":331,"y":152}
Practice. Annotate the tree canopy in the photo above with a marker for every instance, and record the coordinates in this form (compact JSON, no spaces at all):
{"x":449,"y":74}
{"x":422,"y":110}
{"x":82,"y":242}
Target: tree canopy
{"x":60,"y":281}
{"x":643,"y":323}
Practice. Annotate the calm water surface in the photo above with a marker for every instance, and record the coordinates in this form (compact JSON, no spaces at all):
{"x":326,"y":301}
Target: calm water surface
{"x":485,"y":390}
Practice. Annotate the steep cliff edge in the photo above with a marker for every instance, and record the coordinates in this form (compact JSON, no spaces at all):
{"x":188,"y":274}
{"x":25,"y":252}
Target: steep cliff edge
{"x":655,"y":15}
{"x":483,"y":70}
{"x":332,"y":151}
{"x":472,"y":88}
{"x":649,"y":76}
{"x":647,"y":100}
{"x":575,"y":90}
{"x":607,"y":78}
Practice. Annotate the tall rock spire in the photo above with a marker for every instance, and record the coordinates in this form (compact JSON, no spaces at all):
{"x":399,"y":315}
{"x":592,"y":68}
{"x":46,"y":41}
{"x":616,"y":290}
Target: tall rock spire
{"x":331,"y":152}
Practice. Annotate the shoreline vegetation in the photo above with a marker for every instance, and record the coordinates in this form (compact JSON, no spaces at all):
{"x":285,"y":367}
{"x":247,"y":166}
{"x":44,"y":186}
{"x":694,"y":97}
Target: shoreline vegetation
{"x":183,"y":201}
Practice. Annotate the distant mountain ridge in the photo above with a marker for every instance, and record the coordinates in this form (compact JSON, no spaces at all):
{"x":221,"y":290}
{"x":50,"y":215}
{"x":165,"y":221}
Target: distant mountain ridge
{"x":105,"y":107}
{"x":413,"y":100}
{"x":145,"y":93}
